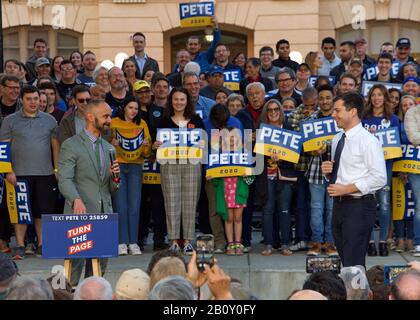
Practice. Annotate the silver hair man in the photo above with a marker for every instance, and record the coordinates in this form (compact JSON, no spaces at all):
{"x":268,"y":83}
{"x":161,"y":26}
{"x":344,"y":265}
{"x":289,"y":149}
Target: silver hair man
{"x":93,"y":288}
{"x":173,"y":288}
{"x":26,"y":288}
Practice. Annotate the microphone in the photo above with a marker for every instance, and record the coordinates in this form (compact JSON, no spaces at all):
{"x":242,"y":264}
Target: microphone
{"x":112,"y":156}
{"x":327,"y":155}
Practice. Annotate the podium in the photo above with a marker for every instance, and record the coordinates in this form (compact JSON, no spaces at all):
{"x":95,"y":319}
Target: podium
{"x":96,"y":268}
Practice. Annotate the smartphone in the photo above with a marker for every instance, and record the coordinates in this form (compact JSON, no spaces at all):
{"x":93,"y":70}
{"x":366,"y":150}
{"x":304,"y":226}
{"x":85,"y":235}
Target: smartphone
{"x":391,"y":272}
{"x":205,"y":251}
{"x":317,"y":264}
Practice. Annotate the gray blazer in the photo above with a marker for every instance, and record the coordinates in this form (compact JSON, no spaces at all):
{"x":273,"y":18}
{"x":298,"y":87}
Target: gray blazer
{"x":79,"y":176}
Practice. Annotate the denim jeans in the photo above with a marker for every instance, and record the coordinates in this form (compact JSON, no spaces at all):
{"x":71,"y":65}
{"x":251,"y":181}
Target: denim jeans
{"x":400,"y":225}
{"x":127,"y":202}
{"x":302,"y":212}
{"x":415,"y":186}
{"x":278,"y":203}
{"x":383,"y":197}
{"x":320,"y":202}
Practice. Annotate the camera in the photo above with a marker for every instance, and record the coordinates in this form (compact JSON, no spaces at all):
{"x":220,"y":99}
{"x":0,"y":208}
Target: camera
{"x":205,"y":251}
{"x":317,"y":264}
{"x":391,"y":272}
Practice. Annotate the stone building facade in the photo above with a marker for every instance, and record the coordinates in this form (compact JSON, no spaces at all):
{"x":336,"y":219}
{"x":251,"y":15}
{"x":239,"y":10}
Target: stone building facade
{"x":106,"y":26}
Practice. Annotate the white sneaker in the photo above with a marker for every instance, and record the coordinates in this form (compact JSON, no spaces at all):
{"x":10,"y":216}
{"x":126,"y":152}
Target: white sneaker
{"x":122,"y":249}
{"x":417,"y":252}
{"x":134,"y":249}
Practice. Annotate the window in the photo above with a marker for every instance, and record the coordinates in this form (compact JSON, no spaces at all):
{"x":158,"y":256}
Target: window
{"x":19,"y":41}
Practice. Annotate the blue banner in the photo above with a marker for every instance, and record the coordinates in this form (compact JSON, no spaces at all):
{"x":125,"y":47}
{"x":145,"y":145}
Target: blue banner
{"x":312,"y":80}
{"x":151,"y":172}
{"x":410,"y":160}
{"x":372,"y":72}
{"x":229,"y":164}
{"x":403,"y":203}
{"x":317,"y":132}
{"x":285,"y":143}
{"x":180,"y":144}
{"x":196,"y":14}
{"x":72,"y":236}
{"x":18,"y":202}
{"x":390,"y":140}
{"x":5,"y":157}
{"x":232,"y":79}
{"x":366,"y":85}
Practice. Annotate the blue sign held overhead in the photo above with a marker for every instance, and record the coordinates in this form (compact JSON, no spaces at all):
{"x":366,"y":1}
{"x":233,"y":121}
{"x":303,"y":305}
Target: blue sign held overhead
{"x":72,"y":236}
{"x":196,"y":14}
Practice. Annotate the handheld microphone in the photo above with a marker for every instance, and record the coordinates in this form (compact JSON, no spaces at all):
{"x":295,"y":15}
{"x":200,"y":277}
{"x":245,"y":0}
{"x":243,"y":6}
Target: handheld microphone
{"x":112,"y":156}
{"x":327,"y":155}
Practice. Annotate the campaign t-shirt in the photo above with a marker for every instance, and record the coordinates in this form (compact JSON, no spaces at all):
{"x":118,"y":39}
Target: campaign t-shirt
{"x":117,"y":104}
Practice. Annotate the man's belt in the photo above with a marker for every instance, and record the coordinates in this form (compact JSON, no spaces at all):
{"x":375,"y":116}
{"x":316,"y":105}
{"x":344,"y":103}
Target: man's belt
{"x":350,"y":197}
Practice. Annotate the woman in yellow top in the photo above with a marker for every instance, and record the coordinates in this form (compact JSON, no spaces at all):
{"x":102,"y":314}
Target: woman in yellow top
{"x":131,"y":138}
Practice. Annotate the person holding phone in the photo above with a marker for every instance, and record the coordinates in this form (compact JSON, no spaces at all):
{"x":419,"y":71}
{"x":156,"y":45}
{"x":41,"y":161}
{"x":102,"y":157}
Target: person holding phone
{"x":131,"y":138}
{"x":356,"y":172}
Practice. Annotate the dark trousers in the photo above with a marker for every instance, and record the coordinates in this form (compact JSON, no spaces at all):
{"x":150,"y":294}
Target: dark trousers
{"x":5,"y":225}
{"x":247,"y":217}
{"x":203,"y":207}
{"x":352,"y":223}
{"x":152,"y":206}
{"x":302,"y":208}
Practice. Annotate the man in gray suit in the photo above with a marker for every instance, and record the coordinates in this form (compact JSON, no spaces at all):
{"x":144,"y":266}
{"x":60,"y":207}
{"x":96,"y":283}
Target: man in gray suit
{"x":85,"y":173}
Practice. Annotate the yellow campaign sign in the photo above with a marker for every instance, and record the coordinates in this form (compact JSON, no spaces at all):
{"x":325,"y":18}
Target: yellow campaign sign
{"x":172,"y":153}
{"x":151,"y":178}
{"x":5,"y":157}
{"x":410,"y":160}
{"x":392,"y":152}
{"x":196,"y":14}
{"x":398,"y":199}
{"x":11,"y":202}
{"x":228,"y":171}
{"x":317,"y":143}
{"x":283,"y":153}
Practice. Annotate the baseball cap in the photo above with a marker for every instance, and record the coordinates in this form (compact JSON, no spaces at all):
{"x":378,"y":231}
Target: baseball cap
{"x":140,"y":84}
{"x":416,"y":80}
{"x":356,"y":60}
{"x":215,"y":69}
{"x":8,"y":267}
{"x":360,"y":41}
{"x":403,"y":42}
{"x":133,"y":284}
{"x":42,"y":61}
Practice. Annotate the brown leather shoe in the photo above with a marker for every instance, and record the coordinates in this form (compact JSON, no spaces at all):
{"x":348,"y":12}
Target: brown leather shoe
{"x":331,"y":250}
{"x":315,"y":249}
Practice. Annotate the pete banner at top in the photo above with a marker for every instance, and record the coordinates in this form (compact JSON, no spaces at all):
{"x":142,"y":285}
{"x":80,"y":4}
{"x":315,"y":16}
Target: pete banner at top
{"x":196,"y":14}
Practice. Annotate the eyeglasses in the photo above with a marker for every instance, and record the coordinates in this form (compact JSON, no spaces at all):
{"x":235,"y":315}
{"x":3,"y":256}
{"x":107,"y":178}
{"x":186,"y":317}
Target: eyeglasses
{"x":143,"y":92}
{"x":273,"y":109}
{"x":66,"y":69}
{"x":84,"y":100}
{"x":284,"y":80}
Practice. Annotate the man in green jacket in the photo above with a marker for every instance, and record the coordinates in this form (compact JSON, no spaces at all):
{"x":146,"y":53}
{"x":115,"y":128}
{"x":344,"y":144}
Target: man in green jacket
{"x":84,"y":173}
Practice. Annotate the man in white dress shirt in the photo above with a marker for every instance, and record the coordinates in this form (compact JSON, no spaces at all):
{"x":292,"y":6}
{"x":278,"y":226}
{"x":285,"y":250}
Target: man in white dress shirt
{"x":356,"y":171}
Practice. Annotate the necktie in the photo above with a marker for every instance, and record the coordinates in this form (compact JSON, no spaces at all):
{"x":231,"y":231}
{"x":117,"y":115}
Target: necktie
{"x":98,"y":155}
{"x":337,"y":157}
